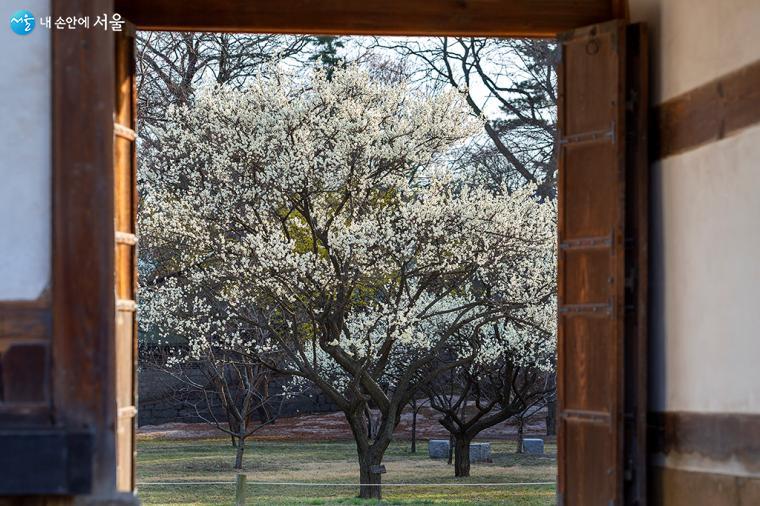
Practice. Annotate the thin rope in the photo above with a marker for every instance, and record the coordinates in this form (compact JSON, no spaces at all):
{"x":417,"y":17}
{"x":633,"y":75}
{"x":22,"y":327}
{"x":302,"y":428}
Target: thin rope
{"x":302,"y":484}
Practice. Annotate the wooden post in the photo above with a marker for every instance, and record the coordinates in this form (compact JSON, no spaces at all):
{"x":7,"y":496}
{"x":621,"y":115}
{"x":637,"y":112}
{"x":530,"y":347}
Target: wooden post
{"x":240,"y":490}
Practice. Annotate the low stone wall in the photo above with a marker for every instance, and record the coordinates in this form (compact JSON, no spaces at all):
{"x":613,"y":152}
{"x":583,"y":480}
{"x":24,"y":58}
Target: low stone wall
{"x":162,"y":400}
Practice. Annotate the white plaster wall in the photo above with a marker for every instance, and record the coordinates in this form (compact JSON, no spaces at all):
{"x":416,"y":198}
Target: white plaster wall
{"x":25,"y":160}
{"x":705,"y":244}
{"x":698,"y":40}
{"x":706,"y":278}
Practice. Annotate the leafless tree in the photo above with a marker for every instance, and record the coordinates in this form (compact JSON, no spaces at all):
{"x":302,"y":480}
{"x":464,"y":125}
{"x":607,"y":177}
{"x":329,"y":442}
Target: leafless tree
{"x":416,"y":405}
{"x":512,"y":84}
{"x":229,"y":389}
{"x":171,"y":65}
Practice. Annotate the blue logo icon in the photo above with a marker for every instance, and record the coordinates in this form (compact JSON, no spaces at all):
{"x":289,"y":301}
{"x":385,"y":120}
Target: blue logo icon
{"x":22,"y":22}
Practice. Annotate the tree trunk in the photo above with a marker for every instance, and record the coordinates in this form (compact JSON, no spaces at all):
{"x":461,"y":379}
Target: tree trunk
{"x":461,"y":456}
{"x":239,"y":453}
{"x":551,"y":418}
{"x":451,"y":447}
{"x":520,"y":434}
{"x":370,"y":456}
{"x":414,"y":427}
{"x":369,"y":479}
{"x":370,"y":428}
{"x":234,"y":428}
{"x":240,"y":445}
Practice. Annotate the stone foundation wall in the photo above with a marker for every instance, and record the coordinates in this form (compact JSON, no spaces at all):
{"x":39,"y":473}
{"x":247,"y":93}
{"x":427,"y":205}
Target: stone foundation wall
{"x":162,"y":400}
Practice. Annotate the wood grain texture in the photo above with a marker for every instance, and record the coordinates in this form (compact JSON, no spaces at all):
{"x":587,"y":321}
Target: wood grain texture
{"x":534,"y":18}
{"x":83,"y":234}
{"x":25,"y":331}
{"x":680,"y":487}
{"x":83,"y":319}
{"x":125,"y":274}
{"x":708,"y":113}
{"x":24,"y":320}
{"x":592,"y":231}
{"x":717,"y":437}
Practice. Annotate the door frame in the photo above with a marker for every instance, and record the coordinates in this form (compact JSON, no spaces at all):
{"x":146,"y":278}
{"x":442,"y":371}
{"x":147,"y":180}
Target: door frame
{"x":83,"y":319}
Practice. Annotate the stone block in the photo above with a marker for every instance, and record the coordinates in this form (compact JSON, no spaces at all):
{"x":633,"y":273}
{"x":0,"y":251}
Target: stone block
{"x":533,"y":446}
{"x":480,"y":452}
{"x":438,"y":448}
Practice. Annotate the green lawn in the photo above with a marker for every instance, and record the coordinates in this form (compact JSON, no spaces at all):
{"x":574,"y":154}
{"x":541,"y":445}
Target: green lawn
{"x":160,"y":461}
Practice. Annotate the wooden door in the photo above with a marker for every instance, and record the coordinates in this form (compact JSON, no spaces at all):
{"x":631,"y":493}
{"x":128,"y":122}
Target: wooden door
{"x":602,"y":231}
{"x":125,"y":276}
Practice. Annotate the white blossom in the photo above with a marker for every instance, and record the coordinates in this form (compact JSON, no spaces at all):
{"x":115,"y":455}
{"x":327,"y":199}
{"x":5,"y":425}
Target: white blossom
{"x":317,"y":220}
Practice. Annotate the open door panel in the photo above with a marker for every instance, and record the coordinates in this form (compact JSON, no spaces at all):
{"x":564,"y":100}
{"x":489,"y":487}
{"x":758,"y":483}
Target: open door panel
{"x":602,"y":190}
{"x":125,"y":241}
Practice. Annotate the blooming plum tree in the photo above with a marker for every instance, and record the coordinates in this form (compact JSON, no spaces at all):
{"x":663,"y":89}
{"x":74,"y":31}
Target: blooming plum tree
{"x":326,"y":217}
{"x":509,"y":376}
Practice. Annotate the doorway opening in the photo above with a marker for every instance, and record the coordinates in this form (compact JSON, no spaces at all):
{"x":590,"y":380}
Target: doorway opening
{"x":601,"y":197}
{"x":347,"y":248}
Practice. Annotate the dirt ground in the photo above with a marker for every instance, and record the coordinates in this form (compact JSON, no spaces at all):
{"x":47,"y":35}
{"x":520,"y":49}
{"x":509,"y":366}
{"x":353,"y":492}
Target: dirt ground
{"x":333,"y":426}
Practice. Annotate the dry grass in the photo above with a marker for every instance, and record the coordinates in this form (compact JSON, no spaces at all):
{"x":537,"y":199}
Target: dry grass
{"x":190,"y":461}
